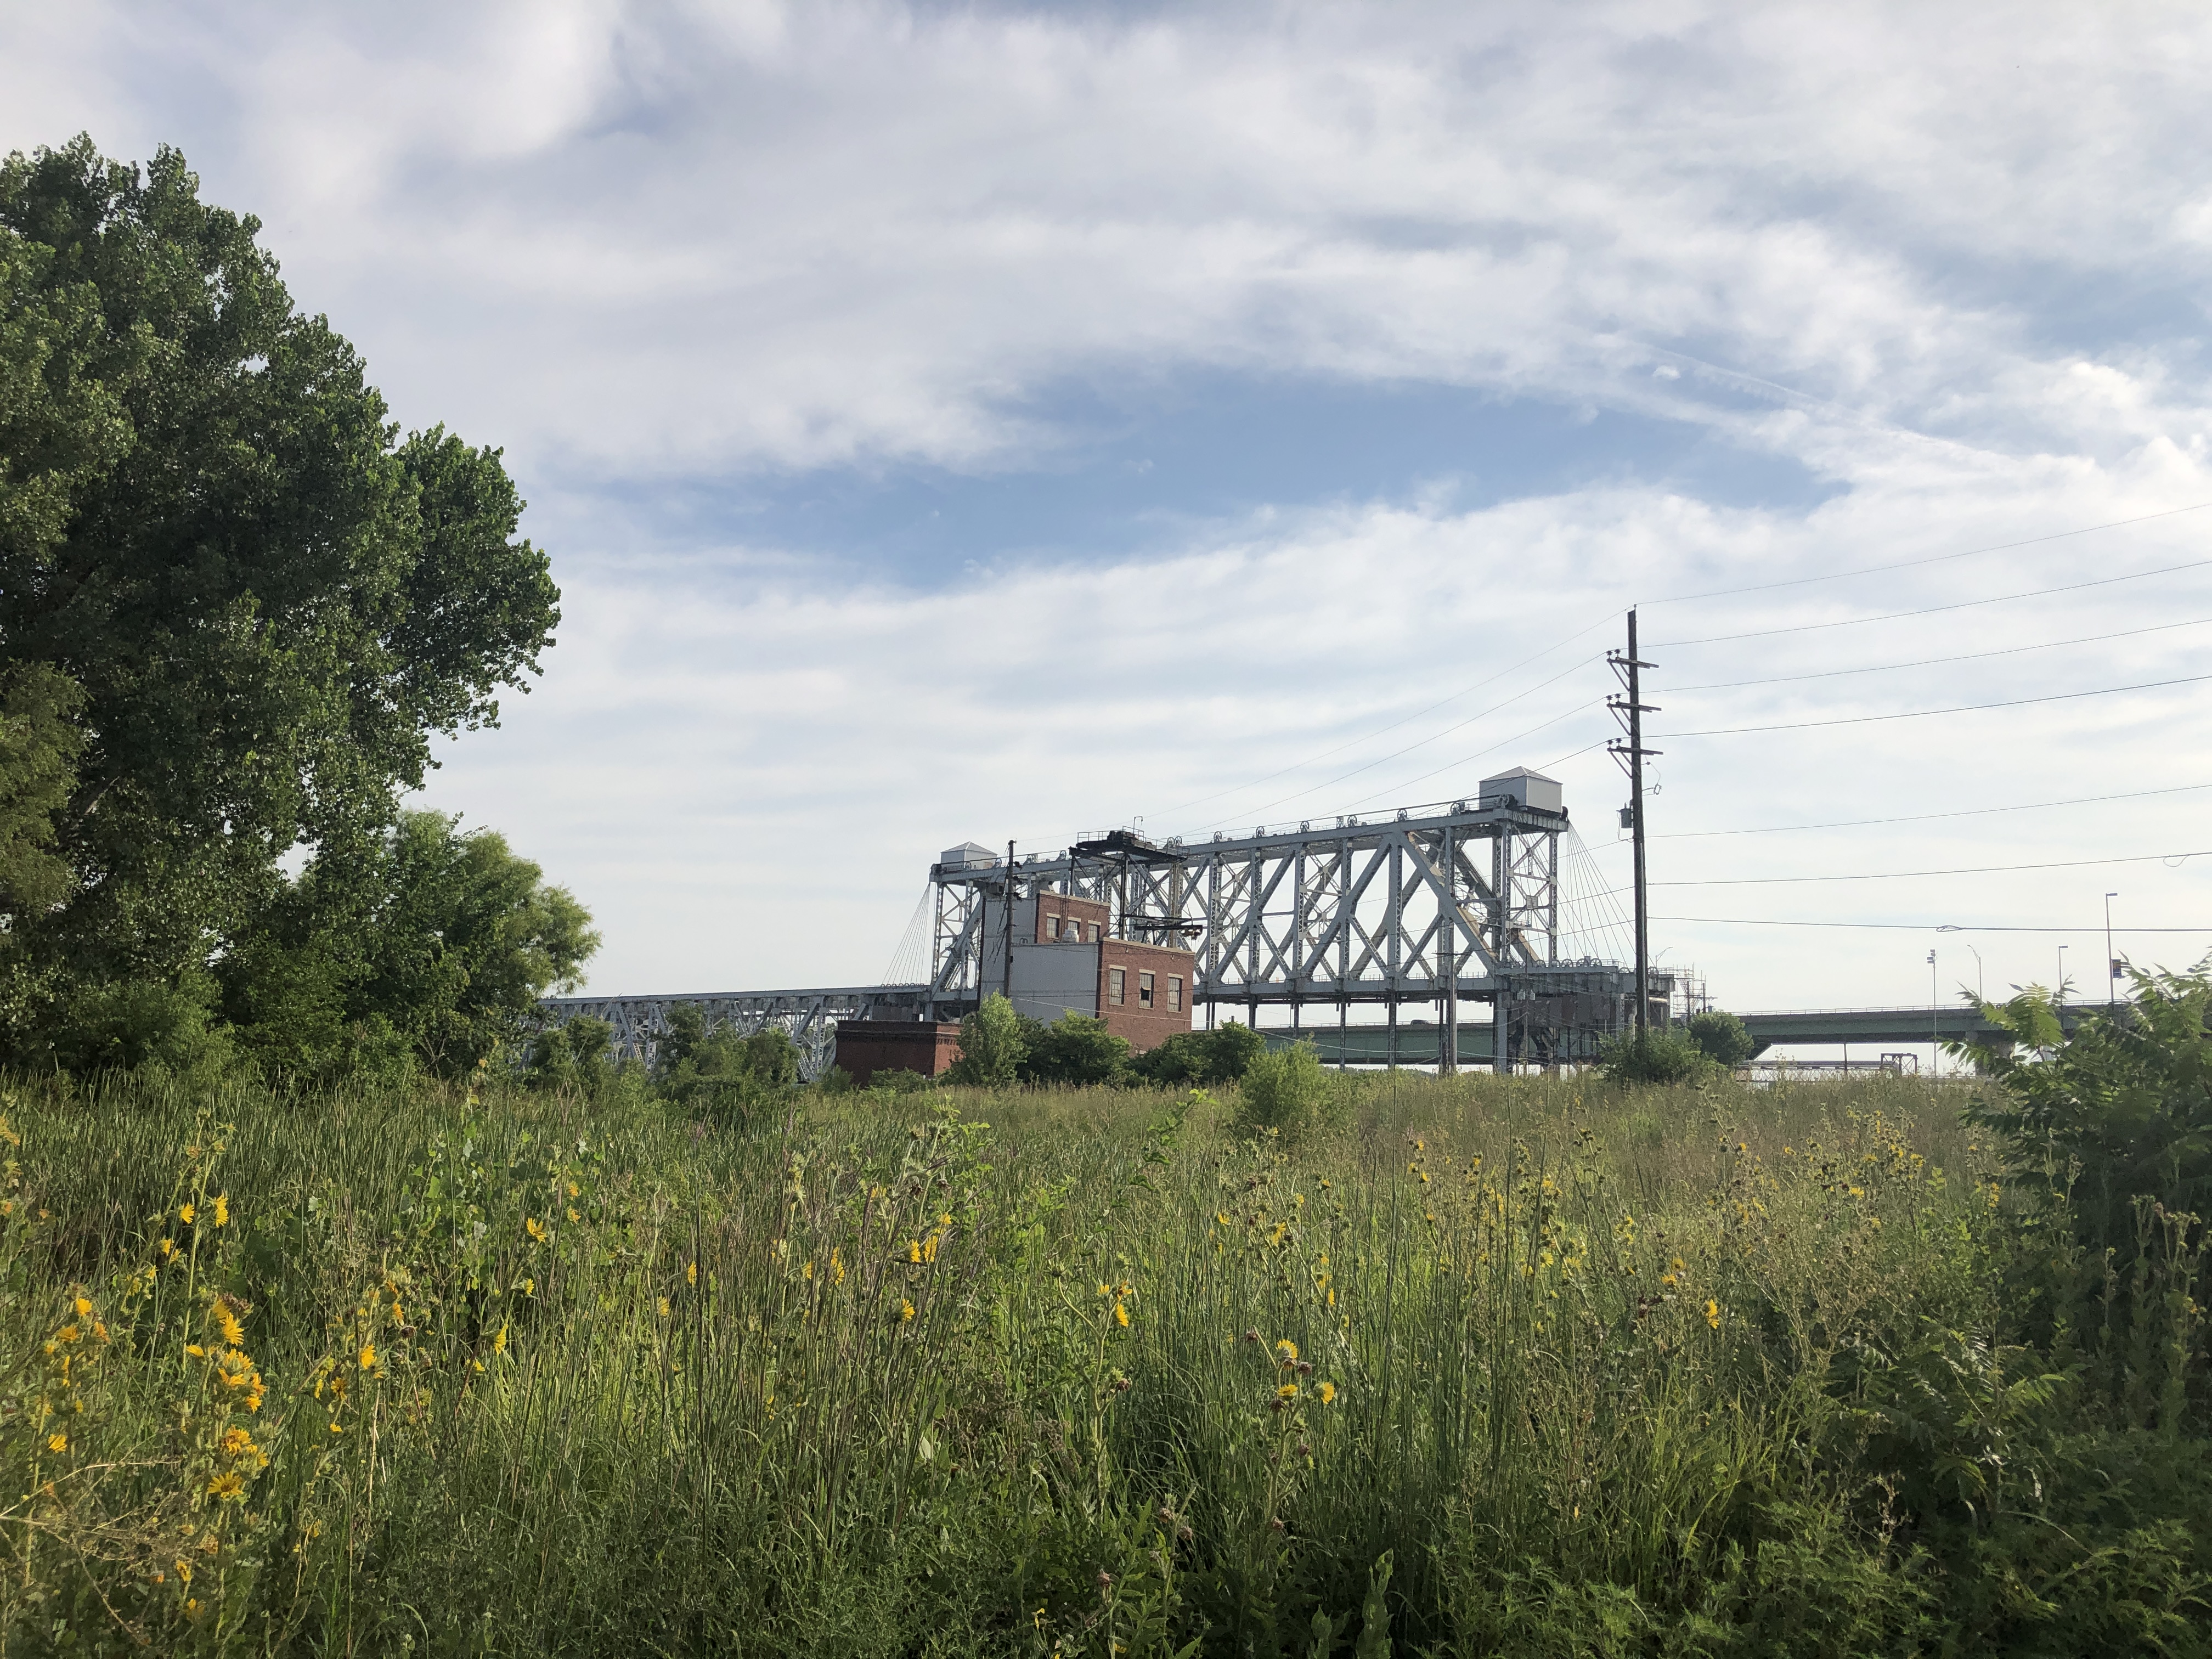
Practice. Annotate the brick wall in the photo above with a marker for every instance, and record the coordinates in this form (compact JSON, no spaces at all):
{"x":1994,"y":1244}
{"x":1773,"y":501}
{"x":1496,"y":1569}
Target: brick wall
{"x":1092,"y":916}
{"x":1146,"y":1028}
{"x":866,"y":1047}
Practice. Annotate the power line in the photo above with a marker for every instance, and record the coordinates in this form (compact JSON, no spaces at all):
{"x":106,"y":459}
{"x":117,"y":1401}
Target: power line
{"x":1370,"y":765}
{"x":1929,"y":611}
{"x":1940,"y":558}
{"x":1367,"y":737}
{"x":1932,"y":662}
{"x":1917,"y":926}
{"x":1922,"y":713}
{"x":1923,"y":818}
{"x":1906,"y":875}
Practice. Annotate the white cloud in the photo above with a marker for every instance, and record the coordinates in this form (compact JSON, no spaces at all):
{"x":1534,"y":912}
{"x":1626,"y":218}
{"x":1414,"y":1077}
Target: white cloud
{"x":1941,"y":257}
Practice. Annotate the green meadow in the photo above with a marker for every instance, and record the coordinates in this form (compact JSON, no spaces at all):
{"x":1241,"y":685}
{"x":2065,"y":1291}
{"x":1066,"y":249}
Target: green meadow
{"x":1473,"y":1366}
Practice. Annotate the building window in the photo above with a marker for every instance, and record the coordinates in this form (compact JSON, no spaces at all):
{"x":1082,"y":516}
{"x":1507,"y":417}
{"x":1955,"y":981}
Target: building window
{"x":1114,"y":980}
{"x":1094,"y":933}
{"x":1052,"y":928}
{"x":1175,"y":992}
{"x":1144,"y":990}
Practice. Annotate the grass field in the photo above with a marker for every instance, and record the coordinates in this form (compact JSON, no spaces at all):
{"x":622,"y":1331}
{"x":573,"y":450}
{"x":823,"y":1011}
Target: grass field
{"x":1515,"y":1366}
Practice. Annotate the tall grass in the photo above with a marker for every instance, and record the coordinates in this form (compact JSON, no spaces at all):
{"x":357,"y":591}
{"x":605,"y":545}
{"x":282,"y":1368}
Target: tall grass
{"x":1490,"y":1365}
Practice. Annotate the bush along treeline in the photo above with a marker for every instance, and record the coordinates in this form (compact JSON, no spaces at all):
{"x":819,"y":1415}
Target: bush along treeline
{"x":1480,"y":1366}
{"x":1000,"y":1047}
{"x":236,"y":605}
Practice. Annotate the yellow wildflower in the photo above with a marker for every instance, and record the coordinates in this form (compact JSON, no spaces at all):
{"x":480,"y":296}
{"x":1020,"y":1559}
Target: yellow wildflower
{"x":913,"y":1249}
{"x":1288,"y":1391}
{"x":837,"y":1267}
{"x":1713,"y":1314}
{"x":222,"y":1209}
{"x":367,"y":1356}
{"x":195,"y":1351}
{"x":573,"y":1216}
{"x":236,"y":1443}
{"x":56,"y":1443}
{"x":233,"y":1331}
{"x":664,"y":1307}
{"x":499,"y":1342}
{"x":1289,"y":1351}
{"x":575,"y":1191}
{"x":1122,"y":1314}
{"x":1327,"y":1391}
{"x":906,"y":1311}
{"x":185,"y":1215}
{"x":84,"y":1307}
{"x":537,"y":1229}
{"x":690,"y":1273}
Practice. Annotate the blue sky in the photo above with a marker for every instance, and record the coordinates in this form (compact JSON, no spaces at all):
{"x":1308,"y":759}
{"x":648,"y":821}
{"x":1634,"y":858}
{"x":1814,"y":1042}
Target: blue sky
{"x":955,"y":422}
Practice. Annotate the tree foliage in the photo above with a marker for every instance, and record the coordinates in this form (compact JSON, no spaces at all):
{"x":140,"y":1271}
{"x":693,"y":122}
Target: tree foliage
{"x":717,"y":1075}
{"x":2120,"y":1112}
{"x":235,"y":603}
{"x":1075,"y":1049}
{"x":993,"y":1046}
{"x":1721,"y":1037}
{"x":1285,"y":1090}
{"x":429,"y":945}
{"x":1664,"y":1055}
{"x":1221,"y":1055}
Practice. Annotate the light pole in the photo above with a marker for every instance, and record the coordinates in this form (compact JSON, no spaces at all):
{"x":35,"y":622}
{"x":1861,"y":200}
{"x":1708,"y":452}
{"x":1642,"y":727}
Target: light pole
{"x":2061,"y":979}
{"x":2112,"y":962}
{"x":1934,"y":1016}
{"x":1981,"y":979}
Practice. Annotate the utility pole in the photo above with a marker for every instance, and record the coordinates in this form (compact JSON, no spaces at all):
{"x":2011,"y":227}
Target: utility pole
{"x":1008,"y":988}
{"x":1631,"y":712}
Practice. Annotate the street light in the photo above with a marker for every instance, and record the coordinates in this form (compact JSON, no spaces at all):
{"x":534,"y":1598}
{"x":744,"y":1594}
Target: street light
{"x":2112,"y":962}
{"x":1934,"y":1003}
{"x":2061,"y":979}
{"x":1981,"y":980}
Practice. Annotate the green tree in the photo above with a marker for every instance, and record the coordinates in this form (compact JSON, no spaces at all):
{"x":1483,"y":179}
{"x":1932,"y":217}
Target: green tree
{"x":1284,"y":1090}
{"x":1722,"y":1037}
{"x":1221,"y":1055}
{"x":717,"y":1074}
{"x":1076,"y":1050}
{"x":1660,"y":1055}
{"x":430,"y":945}
{"x":993,"y":1046}
{"x":265,"y":601}
{"x":2120,"y":1111}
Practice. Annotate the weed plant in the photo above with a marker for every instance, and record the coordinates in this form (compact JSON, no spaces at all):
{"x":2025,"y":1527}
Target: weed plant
{"x":1516,"y":1366}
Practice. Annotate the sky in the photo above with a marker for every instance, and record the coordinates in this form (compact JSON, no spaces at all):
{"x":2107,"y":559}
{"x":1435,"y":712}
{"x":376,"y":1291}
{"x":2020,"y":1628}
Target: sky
{"x":992,"y":422}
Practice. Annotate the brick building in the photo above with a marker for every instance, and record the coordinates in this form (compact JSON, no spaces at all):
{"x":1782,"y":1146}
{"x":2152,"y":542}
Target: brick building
{"x":1065,"y":961}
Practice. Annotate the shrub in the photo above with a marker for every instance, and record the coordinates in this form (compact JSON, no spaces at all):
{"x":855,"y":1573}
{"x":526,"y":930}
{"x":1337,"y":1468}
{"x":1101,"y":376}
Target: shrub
{"x":1075,"y":1049}
{"x":1666,"y":1055}
{"x":1188,"y":1057}
{"x":992,"y":1046}
{"x":1284,"y":1090}
{"x":1723,"y":1038}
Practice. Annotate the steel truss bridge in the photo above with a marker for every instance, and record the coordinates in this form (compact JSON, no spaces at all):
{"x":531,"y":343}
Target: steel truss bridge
{"x":809,"y":1017}
{"x":1432,"y":906}
{"x":1441,"y":910}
